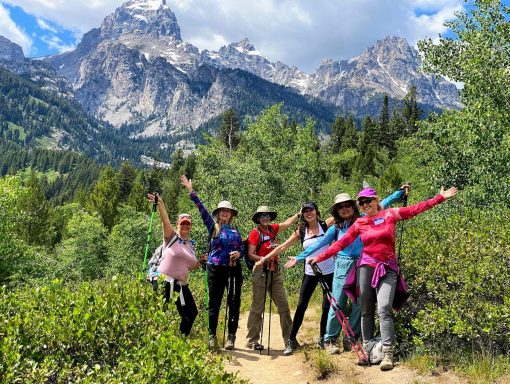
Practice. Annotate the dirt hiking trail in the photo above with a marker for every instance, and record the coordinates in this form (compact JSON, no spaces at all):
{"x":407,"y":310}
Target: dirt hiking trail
{"x":276,"y":368}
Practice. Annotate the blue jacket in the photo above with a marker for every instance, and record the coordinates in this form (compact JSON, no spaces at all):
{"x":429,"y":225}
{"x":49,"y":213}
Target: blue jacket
{"x":353,"y":250}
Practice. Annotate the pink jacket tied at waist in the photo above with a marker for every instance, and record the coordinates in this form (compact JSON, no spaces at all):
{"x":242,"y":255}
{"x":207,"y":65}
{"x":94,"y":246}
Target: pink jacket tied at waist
{"x":381,"y":268}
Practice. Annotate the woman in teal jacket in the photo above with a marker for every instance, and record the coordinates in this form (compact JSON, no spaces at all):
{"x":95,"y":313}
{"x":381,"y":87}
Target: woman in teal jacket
{"x":345,"y":211}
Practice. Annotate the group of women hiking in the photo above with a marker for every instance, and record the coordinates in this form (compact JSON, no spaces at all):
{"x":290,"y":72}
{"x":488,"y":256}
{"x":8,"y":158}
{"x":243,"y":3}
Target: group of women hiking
{"x":356,"y":244}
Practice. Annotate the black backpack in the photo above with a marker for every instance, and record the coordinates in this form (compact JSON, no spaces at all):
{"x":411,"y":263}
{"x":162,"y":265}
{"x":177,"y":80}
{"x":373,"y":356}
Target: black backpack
{"x":247,"y":260}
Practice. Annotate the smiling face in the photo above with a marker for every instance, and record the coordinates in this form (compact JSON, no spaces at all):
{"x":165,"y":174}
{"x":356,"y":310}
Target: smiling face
{"x":309,"y":214}
{"x":184,"y":227}
{"x":224,"y":215}
{"x":369,"y":205}
{"x":345,"y":210}
{"x":264,"y":219}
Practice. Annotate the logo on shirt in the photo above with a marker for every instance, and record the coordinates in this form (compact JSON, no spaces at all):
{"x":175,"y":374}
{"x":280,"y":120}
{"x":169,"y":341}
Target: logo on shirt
{"x":379,"y":221}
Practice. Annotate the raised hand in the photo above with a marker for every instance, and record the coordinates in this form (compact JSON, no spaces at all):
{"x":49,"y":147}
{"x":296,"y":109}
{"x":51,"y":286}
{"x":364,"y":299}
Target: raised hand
{"x":186,"y":183}
{"x":452,"y":191}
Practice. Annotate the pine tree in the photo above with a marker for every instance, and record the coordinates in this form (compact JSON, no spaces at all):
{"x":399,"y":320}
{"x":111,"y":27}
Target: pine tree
{"x":411,"y":112}
{"x":337,"y":134}
{"x":384,"y":135}
{"x":137,"y":198}
{"x":229,"y":132}
{"x":351,"y":135}
{"x":104,"y":198}
{"x":126,"y":176}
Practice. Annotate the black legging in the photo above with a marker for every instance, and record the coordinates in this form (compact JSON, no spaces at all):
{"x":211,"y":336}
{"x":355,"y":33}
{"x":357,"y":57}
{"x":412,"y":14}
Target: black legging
{"x":219,"y":279}
{"x":188,"y":311}
{"x":307,"y":287}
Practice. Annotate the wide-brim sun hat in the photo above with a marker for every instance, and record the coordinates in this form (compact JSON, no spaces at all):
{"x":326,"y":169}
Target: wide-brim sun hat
{"x":339,"y":199}
{"x":226,"y":205}
{"x":264,"y":209}
{"x":367,"y":192}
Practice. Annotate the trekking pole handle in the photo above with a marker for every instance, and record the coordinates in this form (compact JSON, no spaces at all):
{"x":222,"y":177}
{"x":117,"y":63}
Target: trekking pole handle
{"x":317,"y":271}
{"x":155,"y":203}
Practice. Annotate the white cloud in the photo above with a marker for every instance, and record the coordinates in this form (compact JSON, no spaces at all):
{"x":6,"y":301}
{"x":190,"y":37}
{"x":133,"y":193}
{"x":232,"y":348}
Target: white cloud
{"x":11,"y":31}
{"x":297,"y":32}
{"x":54,"y":42}
{"x":45,"y":25}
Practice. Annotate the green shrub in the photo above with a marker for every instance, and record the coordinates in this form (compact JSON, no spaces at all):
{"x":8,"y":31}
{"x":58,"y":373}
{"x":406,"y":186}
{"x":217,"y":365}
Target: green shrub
{"x":457,"y":265}
{"x":102,"y":332}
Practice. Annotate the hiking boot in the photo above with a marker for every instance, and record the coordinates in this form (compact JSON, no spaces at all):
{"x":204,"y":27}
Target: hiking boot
{"x":213,"y":343}
{"x":229,"y":345}
{"x":387,"y":361}
{"x":292,"y":345}
{"x":320,"y":342}
{"x":331,"y":347}
{"x":346,"y":345}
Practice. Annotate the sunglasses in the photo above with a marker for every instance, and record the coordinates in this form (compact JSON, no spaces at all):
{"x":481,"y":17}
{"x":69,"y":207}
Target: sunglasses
{"x":344,"y":205}
{"x":185,"y":223}
{"x":265,"y":216}
{"x":365,"y":201}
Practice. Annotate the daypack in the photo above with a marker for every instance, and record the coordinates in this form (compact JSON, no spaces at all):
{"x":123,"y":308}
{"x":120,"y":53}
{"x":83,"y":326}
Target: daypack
{"x":157,"y":258}
{"x":250,"y":263}
{"x":323,"y":225}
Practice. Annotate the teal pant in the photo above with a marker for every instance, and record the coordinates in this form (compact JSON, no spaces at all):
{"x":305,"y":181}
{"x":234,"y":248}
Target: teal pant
{"x":343,"y":266}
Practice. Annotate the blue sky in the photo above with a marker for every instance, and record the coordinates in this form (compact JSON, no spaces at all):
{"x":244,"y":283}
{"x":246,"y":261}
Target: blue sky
{"x":296,"y":32}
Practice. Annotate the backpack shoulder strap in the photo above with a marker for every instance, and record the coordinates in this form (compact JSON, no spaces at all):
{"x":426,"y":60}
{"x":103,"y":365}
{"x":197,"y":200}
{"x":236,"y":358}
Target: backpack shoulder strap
{"x":323,"y":225}
{"x":337,"y":230}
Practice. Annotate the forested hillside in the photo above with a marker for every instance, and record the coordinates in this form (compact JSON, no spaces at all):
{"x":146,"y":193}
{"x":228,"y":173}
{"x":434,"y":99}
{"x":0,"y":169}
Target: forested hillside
{"x":80,"y":252}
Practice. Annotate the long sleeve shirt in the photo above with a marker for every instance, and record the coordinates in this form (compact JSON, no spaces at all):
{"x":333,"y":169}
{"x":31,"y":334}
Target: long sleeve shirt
{"x":354,"y":249}
{"x":378,"y":232}
{"x":227,"y":240}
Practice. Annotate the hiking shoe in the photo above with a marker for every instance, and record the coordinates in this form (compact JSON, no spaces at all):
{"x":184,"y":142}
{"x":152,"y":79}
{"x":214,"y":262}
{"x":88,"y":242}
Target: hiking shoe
{"x":320,"y":342}
{"x":292,"y":345}
{"x":331,"y":347}
{"x":229,"y":345}
{"x":387,"y":361}
{"x":213,"y":343}
{"x":346,"y":345}
{"x":255,"y":345}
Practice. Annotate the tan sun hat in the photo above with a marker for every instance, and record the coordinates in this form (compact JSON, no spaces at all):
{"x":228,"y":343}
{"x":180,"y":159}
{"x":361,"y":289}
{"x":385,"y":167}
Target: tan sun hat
{"x":341,"y":198}
{"x":263,"y":209}
{"x":227,"y":205}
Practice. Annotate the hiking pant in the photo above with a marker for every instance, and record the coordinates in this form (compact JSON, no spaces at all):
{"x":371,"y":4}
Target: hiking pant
{"x":383,"y":294}
{"x":343,"y":266}
{"x":307,"y":287}
{"x":188,"y":310}
{"x":219,"y":279}
{"x":270,"y":283}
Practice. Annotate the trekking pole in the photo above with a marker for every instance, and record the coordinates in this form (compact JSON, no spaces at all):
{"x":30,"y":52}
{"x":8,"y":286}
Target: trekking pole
{"x":406,"y":194}
{"x":226,"y":308}
{"x":206,"y":286}
{"x":342,"y":319}
{"x":270,"y":311}
{"x":261,"y":335}
{"x":153,"y":211}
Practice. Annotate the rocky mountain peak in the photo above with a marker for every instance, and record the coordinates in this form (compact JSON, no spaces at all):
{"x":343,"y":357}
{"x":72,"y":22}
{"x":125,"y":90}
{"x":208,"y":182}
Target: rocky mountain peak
{"x":142,"y":17}
{"x":10,"y":51}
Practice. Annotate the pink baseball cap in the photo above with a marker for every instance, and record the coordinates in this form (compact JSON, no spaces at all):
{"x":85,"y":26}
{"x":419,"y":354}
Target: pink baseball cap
{"x":367,"y":192}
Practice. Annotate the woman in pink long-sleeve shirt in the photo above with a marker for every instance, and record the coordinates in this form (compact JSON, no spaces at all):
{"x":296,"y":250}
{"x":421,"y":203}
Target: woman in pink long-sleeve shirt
{"x":378,"y":263}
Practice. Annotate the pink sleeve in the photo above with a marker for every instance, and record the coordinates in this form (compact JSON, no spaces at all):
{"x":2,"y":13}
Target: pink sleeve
{"x":351,"y":235}
{"x":405,"y":213}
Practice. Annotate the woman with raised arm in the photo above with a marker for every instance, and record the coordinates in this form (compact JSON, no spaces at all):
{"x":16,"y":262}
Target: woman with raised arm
{"x":345,"y":212}
{"x":261,"y":241}
{"x":223,"y":267}
{"x":379,"y":273}
{"x":177,"y":259}
{"x":309,"y":231}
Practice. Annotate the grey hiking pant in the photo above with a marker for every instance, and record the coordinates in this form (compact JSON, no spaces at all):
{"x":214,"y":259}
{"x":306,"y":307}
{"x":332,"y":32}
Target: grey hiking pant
{"x":383,"y":294}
